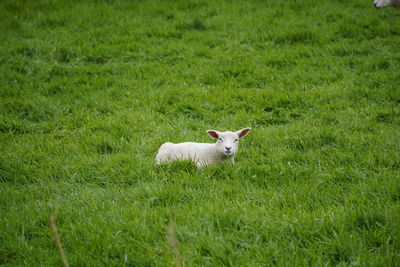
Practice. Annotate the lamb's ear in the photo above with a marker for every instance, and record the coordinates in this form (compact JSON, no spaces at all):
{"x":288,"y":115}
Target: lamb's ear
{"x":213,"y":134}
{"x":242,"y":133}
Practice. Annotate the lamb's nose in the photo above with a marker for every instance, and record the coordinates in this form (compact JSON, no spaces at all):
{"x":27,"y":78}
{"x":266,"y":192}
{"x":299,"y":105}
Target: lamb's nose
{"x":375,"y":5}
{"x":228,"y":148}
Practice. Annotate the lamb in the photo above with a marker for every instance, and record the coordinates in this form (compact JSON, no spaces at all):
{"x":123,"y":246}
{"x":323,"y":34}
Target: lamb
{"x":385,"y":3}
{"x":204,"y":154}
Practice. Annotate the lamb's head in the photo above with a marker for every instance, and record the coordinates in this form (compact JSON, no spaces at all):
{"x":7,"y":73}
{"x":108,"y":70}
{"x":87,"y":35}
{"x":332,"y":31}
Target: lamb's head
{"x":228,"y":142}
{"x":382,"y":3}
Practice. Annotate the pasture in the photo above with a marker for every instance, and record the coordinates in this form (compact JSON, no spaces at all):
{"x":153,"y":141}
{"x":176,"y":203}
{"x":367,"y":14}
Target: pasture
{"x":89,"y":90}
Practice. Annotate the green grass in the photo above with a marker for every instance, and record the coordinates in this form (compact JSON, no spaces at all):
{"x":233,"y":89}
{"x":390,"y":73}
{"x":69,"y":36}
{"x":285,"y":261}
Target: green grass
{"x":90,"y":89}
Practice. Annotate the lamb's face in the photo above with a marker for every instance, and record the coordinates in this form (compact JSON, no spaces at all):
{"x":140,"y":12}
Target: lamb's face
{"x":228,"y":142}
{"x":381,"y":3}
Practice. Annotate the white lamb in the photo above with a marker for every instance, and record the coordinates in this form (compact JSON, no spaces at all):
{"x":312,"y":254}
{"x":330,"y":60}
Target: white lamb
{"x":385,"y":3}
{"x":203,"y":154}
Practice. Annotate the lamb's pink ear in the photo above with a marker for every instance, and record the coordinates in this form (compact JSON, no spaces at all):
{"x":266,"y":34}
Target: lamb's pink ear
{"x":213,"y":134}
{"x":242,"y":133}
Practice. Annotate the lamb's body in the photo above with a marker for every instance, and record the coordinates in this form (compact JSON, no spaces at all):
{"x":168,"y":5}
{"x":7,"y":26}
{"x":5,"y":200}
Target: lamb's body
{"x":203,"y":154}
{"x":385,"y":3}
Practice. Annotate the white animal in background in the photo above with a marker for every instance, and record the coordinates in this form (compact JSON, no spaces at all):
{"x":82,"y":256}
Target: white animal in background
{"x":385,"y":3}
{"x":203,"y":154}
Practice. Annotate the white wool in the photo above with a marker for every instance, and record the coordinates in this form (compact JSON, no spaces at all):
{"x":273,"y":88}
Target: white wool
{"x":203,"y":154}
{"x":385,"y":3}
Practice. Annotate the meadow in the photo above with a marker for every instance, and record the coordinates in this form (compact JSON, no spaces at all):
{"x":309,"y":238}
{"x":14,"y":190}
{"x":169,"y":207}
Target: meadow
{"x":89,"y":90}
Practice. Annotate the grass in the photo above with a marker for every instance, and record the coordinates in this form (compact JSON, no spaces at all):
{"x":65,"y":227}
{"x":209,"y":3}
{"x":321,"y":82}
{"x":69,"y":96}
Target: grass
{"x":91,"y":89}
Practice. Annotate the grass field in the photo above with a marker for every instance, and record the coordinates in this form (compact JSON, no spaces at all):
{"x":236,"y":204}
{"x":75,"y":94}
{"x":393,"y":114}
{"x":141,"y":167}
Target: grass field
{"x":90,"y":89}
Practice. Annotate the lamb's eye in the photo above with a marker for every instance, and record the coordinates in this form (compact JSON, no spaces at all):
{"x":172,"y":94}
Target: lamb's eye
{"x":220,"y":139}
{"x":235,"y":140}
